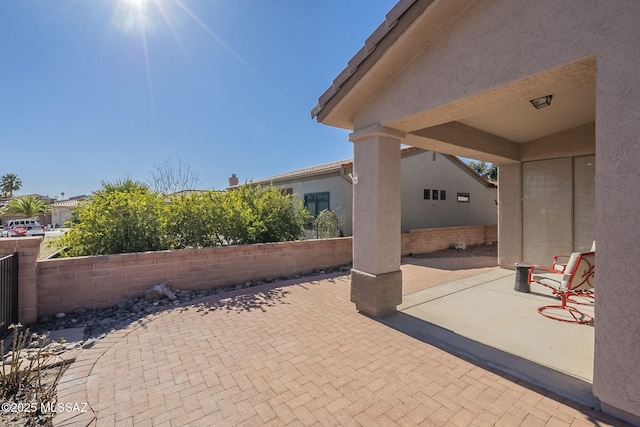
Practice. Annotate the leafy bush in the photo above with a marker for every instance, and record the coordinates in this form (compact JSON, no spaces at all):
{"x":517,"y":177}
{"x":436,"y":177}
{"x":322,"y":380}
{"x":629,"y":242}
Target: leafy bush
{"x":261,"y":214}
{"x":327,"y":225}
{"x":193,"y":220}
{"x":122,"y":217}
{"x":128,"y":217}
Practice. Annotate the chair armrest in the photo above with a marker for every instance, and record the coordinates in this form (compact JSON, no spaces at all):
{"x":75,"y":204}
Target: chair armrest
{"x":555,"y":262}
{"x":533,"y":268}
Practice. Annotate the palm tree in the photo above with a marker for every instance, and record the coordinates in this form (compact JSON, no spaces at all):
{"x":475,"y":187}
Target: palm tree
{"x":26,"y":206}
{"x":10,"y":183}
{"x":126,"y":185}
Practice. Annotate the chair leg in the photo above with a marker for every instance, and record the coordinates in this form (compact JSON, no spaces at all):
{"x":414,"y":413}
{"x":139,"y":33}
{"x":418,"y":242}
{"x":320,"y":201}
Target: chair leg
{"x":584,"y":299}
{"x":576,"y":315}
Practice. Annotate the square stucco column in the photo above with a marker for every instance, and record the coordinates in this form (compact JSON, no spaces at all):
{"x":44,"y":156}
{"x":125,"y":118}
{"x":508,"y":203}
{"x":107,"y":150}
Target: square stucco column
{"x":510,"y":215}
{"x":376,"y":279}
{"x":616,"y":379}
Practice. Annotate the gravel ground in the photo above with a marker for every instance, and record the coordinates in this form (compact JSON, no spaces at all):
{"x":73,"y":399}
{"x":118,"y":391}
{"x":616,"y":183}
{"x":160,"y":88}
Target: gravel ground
{"x":471,"y":251}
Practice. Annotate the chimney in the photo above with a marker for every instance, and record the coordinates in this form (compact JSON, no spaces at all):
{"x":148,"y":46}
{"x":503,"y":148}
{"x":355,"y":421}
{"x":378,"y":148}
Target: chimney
{"x":233,"y":181}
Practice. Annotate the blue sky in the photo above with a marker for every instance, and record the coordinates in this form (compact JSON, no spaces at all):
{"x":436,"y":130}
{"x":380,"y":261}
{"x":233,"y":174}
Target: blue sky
{"x":101,"y":90}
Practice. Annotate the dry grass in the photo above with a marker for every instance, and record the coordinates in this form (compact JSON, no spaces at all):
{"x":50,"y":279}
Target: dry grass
{"x":46,"y":247}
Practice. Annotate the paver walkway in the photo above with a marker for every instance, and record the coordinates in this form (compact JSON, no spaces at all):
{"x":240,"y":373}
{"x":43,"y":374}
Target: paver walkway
{"x":296,"y":354}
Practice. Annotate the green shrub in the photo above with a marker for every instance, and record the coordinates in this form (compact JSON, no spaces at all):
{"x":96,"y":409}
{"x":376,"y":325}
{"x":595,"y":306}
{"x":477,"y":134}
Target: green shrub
{"x":128,"y":217}
{"x":253,"y":214}
{"x":121,"y":217}
{"x":327,"y":225}
{"x":193,"y":220}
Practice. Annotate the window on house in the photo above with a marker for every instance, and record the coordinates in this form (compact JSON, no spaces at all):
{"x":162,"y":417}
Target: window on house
{"x":427,"y":194}
{"x":434,"y":194}
{"x":463,"y":197}
{"x":286,"y":191}
{"x":443,"y":195}
{"x":316,"y":202}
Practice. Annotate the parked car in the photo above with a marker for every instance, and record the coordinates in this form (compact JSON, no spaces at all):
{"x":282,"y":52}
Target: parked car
{"x":23,"y":227}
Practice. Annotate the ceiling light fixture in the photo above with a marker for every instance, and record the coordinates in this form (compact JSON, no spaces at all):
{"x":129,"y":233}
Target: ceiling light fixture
{"x":539,"y":103}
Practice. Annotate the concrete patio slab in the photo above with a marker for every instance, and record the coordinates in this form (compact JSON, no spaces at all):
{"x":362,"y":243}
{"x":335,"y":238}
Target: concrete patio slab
{"x":486,"y":308}
{"x":294,"y":353}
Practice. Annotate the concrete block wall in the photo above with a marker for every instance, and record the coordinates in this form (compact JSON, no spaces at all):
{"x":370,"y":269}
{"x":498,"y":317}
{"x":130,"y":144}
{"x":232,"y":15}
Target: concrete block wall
{"x":101,"y":281}
{"x":64,"y":284}
{"x":28,"y":249}
{"x":434,"y":239}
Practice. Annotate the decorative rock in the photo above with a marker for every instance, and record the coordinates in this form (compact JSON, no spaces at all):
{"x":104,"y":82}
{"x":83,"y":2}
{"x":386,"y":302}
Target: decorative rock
{"x":60,"y":315}
{"x":159,"y":292}
{"x":89,"y":343}
{"x":45,"y":319}
{"x":459,"y":246}
{"x":80,"y":310}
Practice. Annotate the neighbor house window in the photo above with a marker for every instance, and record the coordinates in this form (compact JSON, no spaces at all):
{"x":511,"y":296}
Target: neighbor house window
{"x":434,"y":194}
{"x":443,"y":195}
{"x":427,"y":194}
{"x":316,"y":202}
{"x":463,"y":197}
{"x":286,"y":191}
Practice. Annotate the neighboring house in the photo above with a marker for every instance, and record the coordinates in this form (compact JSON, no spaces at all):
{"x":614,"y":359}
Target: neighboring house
{"x":512,"y":82}
{"x":63,"y":209}
{"x":438,"y":190}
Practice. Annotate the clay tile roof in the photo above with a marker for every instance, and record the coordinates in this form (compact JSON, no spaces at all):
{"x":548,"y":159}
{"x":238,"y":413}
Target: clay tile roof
{"x":65,"y":203}
{"x":371,"y":46}
{"x":346,"y":164}
{"x":309,"y":171}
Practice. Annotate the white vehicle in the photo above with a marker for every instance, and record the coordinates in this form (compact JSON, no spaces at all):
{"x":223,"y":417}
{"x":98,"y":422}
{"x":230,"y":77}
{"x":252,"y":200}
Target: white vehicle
{"x":23,"y":227}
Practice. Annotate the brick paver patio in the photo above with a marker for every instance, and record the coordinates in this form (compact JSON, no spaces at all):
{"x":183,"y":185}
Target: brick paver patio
{"x":293,"y":354}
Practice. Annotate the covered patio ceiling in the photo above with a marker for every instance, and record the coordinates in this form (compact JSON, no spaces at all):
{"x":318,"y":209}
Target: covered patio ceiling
{"x":491,"y":125}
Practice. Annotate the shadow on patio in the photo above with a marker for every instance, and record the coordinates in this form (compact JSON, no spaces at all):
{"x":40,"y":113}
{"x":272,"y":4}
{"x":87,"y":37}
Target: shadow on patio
{"x":479,"y":316}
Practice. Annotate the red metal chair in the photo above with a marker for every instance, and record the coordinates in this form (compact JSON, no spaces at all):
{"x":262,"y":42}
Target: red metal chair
{"x":575,"y":279}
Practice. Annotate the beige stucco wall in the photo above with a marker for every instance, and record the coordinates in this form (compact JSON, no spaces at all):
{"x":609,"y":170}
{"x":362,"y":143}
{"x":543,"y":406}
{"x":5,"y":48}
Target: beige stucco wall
{"x":61,"y":215}
{"x":501,"y":50}
{"x":340,"y":197}
{"x":421,"y":172}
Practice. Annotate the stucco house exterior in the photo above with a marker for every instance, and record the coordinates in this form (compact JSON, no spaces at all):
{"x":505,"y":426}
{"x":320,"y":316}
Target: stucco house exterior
{"x":438,"y":190}
{"x":548,"y":90}
{"x":62,"y":211}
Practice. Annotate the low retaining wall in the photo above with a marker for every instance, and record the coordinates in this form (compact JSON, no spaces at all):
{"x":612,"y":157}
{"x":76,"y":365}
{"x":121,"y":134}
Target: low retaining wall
{"x":434,"y":239}
{"x":65,"y":284}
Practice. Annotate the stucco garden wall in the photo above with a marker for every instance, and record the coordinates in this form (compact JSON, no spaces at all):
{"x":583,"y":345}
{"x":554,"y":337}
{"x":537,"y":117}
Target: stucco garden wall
{"x":434,"y":239}
{"x":28,"y":249}
{"x":64,"y":284}
{"x":101,"y":281}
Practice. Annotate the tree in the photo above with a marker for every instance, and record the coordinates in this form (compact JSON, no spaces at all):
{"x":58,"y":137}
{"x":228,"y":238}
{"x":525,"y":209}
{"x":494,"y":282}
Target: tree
{"x":489,"y":171}
{"x":122,"y":217}
{"x":173,"y":175}
{"x":10,"y":183}
{"x":27,"y":206}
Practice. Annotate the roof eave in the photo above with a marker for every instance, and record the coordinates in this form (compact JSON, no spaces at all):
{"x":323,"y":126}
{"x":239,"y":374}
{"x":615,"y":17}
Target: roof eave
{"x":410,"y":27}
